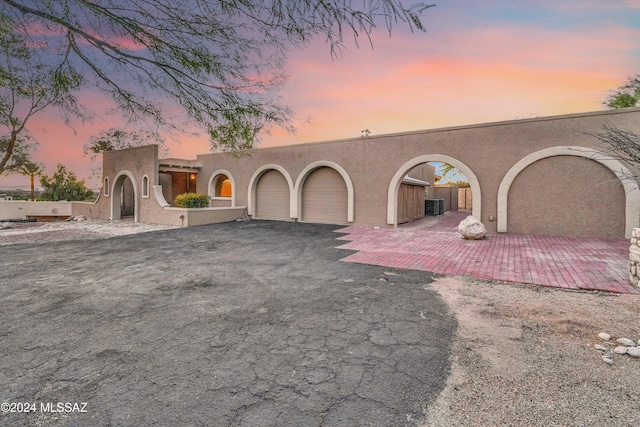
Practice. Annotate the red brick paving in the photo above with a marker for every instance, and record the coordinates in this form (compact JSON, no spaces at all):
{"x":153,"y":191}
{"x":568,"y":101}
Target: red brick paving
{"x":433,"y":244}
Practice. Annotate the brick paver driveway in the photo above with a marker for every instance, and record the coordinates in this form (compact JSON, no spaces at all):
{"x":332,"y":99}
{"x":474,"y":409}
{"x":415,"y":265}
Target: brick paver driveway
{"x":434,"y":245}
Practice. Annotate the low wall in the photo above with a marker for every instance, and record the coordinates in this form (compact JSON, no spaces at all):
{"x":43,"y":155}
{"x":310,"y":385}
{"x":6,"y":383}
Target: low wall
{"x":184,"y":217}
{"x":19,"y":209}
{"x":91,"y":210}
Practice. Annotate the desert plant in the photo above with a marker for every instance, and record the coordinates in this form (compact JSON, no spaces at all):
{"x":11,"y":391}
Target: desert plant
{"x":192,"y":200}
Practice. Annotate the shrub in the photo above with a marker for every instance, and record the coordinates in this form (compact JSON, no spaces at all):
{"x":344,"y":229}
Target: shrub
{"x":192,"y":200}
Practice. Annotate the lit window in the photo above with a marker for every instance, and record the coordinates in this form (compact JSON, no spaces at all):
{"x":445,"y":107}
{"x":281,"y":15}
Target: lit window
{"x":223,"y":187}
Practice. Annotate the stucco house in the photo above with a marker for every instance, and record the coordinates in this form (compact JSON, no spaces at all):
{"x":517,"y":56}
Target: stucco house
{"x":544,"y":175}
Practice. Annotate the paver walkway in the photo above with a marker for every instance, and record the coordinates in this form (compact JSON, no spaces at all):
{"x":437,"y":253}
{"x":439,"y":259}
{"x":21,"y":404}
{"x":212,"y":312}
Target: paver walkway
{"x":433,"y":244}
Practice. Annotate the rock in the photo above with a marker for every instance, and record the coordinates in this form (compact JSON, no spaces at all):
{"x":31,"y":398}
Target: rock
{"x":633,"y":351}
{"x":80,"y":218}
{"x":5,"y":225}
{"x":607,"y":360}
{"x":604,"y":336}
{"x":471,"y":228}
{"x":600,"y":347}
{"x":620,"y":349}
{"x":626,"y":341}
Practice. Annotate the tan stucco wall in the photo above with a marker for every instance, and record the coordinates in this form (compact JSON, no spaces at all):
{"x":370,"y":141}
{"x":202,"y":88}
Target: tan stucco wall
{"x":136,"y":163}
{"x":183,"y":217}
{"x":375,"y":165}
{"x":563,"y":193}
{"x":19,"y":209}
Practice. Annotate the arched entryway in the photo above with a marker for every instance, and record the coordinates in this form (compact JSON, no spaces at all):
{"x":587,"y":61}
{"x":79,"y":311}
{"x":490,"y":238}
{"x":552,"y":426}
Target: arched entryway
{"x":397,"y":179}
{"x":124,"y":197}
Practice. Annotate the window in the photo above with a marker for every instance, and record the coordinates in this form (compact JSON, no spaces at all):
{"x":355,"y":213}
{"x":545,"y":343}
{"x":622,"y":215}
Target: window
{"x":106,"y":187}
{"x":223,"y":187}
{"x":145,"y":186}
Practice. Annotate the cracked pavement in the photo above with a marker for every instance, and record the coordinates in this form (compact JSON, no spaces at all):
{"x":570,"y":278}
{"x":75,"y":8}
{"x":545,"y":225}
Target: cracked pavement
{"x":238,"y":324}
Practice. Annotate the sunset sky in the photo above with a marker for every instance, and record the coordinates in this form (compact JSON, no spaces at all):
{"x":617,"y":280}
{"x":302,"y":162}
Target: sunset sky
{"x":478,"y":62}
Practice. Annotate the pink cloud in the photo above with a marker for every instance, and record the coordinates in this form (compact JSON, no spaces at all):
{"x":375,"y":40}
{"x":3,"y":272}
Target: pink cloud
{"x":632,"y":3}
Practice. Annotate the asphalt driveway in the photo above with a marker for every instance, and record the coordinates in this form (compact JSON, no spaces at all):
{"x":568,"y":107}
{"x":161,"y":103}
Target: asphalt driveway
{"x":245,"y":323}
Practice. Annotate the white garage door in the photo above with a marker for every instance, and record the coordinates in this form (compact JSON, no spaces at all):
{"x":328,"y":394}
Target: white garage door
{"x":272,"y":197}
{"x":324,"y":197}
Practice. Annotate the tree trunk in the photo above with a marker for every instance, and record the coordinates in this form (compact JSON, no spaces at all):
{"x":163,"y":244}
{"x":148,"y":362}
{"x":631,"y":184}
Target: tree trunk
{"x":33,"y":189}
{"x":9,"y":153}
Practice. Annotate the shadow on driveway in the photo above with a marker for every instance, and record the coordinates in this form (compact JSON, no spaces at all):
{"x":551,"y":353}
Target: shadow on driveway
{"x":246,"y":323}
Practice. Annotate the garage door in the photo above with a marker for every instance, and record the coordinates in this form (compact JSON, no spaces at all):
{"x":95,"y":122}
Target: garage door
{"x":324,"y":197}
{"x":272,"y":197}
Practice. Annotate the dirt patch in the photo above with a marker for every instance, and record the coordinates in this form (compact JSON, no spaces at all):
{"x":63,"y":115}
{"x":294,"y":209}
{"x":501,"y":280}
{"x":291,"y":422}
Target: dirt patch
{"x":524,"y":355}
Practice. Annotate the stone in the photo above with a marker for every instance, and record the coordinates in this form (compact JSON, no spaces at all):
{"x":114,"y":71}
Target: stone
{"x":634,"y":253}
{"x":633,"y":351}
{"x":607,"y":360}
{"x":80,"y":218}
{"x":472,"y":229}
{"x":600,"y":347}
{"x":6,"y":225}
{"x":626,"y":342}
{"x":604,"y":336}
{"x":620,"y":349}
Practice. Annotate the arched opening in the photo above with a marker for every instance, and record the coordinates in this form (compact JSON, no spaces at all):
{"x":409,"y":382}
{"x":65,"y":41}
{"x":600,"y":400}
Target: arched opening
{"x":403,"y":198}
{"x":124,"y":197}
{"x":222,"y":189}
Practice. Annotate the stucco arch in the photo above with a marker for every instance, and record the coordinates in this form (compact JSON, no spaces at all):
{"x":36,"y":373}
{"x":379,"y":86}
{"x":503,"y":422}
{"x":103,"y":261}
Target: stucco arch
{"x":632,"y":192}
{"x":310,"y":168}
{"x":251,"y":194}
{"x":116,"y":189}
{"x":212,"y":181}
{"x":394,"y":185}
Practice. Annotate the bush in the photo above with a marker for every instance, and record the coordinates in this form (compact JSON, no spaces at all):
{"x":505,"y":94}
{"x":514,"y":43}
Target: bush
{"x":192,"y":200}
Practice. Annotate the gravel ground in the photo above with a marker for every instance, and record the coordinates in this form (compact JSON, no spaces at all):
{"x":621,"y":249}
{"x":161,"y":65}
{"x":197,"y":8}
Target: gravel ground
{"x":40,"y":232}
{"x":523,"y":355}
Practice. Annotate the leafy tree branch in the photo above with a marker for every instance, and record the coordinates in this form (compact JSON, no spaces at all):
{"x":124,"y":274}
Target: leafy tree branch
{"x":220,"y":62}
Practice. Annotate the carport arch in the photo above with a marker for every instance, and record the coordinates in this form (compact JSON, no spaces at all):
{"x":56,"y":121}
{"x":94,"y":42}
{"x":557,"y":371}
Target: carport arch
{"x":315,"y":165}
{"x":213,"y":180}
{"x":116,"y":191}
{"x":632,"y":192}
{"x":394,"y":185}
{"x":253,"y":185}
